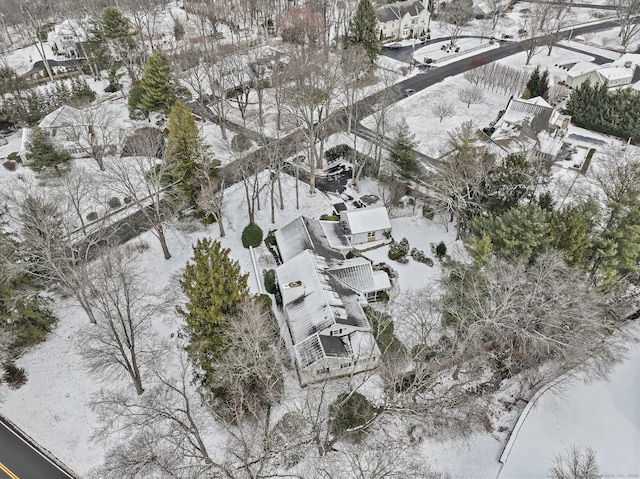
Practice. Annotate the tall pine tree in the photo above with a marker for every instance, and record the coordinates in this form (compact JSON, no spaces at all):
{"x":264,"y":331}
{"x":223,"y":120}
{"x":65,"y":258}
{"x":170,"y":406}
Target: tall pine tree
{"x":214,"y":286}
{"x":402,"y":154}
{"x":157,"y":92}
{"x":187,"y":153}
{"x":538,"y":83}
{"x":363,"y":29}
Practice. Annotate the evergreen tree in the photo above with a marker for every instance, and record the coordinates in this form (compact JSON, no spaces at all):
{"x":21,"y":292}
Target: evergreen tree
{"x":538,"y":83}
{"x":214,"y":286}
{"x":402,"y":153}
{"x":43,"y":154}
{"x":571,"y":232}
{"x":111,"y":39}
{"x":185,"y":151}
{"x":363,"y":29}
{"x":520,"y":232}
{"x":158,"y":92}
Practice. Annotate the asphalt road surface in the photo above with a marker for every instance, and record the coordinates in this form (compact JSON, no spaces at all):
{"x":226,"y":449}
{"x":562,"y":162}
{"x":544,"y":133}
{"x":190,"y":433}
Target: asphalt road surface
{"x":18,"y":460}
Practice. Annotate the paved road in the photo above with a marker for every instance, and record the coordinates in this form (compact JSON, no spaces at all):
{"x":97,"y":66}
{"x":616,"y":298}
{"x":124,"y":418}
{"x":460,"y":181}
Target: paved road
{"x":18,"y":460}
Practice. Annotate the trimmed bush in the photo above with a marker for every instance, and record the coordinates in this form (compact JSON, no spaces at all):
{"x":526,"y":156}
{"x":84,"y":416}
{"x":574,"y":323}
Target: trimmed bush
{"x":114,"y":203}
{"x":329,"y":218}
{"x":270,"y":281}
{"x":399,"y":250}
{"x":14,"y":376}
{"x":441,"y":249}
{"x":92,"y":216}
{"x":349,"y":412}
{"x":251,"y":235}
{"x":421,"y":257}
{"x":14,"y":156}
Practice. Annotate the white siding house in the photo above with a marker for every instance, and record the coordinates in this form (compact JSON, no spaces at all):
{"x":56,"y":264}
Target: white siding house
{"x":364,"y":225}
{"x":407,"y":19}
{"x":330,"y":333}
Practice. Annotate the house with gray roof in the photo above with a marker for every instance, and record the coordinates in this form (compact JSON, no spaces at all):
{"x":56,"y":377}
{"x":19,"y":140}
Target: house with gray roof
{"x":406,"y":19}
{"x":322,"y":296}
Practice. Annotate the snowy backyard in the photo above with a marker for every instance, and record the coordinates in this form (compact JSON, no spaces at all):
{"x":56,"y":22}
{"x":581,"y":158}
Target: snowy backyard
{"x":53,"y":407}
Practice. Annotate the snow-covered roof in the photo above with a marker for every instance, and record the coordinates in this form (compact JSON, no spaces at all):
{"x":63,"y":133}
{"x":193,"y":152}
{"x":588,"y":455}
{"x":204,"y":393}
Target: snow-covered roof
{"x":519,"y":110}
{"x":363,"y":220}
{"x":59,"y":117}
{"x":631,"y":59}
{"x":582,"y":68}
{"x":396,"y":11}
{"x":323,"y":237}
{"x":358,"y":274}
{"x":612,"y":74}
{"x":320,"y":346}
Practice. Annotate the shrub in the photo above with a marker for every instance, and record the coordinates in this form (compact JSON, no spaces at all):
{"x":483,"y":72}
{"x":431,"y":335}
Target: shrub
{"x":270,"y":239}
{"x":265,"y":300}
{"x":240,"y":142}
{"x":383,"y":331}
{"x":9,"y":165}
{"x":251,"y":235}
{"x":350,"y":411}
{"x":329,"y":218}
{"x":92,"y":216}
{"x":270,"y":281}
{"x":336,"y":152}
{"x":383,"y":297}
{"x":441,"y":249}
{"x":399,"y":250}
{"x":14,"y":376}
{"x":14,"y":156}
{"x":114,"y":202}
{"x":421,"y":257}
{"x":127,"y":200}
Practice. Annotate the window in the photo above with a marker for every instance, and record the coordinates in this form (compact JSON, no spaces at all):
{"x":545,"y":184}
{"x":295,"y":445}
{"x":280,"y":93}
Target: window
{"x":345,"y":365}
{"x":323,"y":371}
{"x":371,"y":236}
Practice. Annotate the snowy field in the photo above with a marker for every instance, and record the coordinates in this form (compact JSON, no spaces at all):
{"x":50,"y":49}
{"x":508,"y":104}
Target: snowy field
{"x":52,"y":406}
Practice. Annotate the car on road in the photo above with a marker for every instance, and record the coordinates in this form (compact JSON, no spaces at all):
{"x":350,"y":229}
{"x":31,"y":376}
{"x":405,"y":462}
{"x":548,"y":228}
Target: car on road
{"x":394,"y":46}
{"x":409,"y":91}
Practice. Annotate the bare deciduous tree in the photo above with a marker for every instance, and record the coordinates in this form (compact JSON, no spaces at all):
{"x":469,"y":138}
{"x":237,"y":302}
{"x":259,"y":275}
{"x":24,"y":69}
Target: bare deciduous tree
{"x":143,"y":180}
{"x":626,"y":14}
{"x":455,"y":16}
{"x":577,"y":463}
{"x":471,"y":95}
{"x":443,"y":109}
{"x":164,"y":427}
{"x":47,"y":233}
{"x":120,"y":341}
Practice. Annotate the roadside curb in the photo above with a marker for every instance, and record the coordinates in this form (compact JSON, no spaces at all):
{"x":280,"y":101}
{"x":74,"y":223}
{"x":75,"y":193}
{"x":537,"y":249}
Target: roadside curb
{"x":37,"y":447}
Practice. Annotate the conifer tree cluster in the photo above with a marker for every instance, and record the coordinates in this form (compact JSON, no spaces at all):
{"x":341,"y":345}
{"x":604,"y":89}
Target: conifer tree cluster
{"x":613,"y":112}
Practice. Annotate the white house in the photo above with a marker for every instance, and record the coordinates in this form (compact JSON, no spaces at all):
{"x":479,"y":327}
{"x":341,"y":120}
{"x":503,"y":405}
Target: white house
{"x":330,"y":334}
{"x":406,"y":19}
{"x":364,"y":225}
{"x":63,"y":39}
{"x":615,"y":74}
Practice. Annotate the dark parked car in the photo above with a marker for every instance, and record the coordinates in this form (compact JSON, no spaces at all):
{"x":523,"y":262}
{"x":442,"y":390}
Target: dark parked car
{"x":394,"y":46}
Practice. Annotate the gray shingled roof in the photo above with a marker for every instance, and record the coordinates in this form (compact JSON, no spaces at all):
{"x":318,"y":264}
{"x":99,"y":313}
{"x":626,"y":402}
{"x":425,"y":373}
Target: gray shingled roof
{"x":395,"y":11}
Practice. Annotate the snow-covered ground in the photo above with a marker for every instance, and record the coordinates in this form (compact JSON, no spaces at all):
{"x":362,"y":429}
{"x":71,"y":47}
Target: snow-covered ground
{"x":52,"y":406}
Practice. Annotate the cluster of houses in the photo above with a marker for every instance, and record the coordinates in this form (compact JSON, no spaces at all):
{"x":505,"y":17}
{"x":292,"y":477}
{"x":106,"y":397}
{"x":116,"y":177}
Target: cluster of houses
{"x":323,"y":291}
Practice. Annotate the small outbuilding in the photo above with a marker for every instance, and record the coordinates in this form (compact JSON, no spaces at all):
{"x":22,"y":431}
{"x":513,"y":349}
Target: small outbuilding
{"x":365,"y":225}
